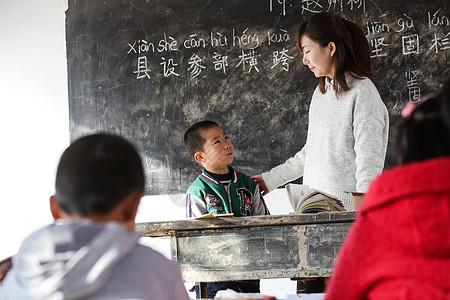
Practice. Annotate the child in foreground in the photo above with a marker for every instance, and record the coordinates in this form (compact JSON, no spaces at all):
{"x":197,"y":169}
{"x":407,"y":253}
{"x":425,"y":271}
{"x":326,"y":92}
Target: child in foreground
{"x":219,"y":189}
{"x":92,"y":250}
{"x":399,"y":245}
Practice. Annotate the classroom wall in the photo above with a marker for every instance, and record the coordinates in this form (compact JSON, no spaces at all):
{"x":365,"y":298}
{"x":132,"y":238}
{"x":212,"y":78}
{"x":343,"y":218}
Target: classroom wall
{"x":34,"y":117}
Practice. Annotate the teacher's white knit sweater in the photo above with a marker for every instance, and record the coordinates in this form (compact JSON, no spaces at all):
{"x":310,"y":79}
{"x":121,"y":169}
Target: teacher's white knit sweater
{"x":346,"y":144}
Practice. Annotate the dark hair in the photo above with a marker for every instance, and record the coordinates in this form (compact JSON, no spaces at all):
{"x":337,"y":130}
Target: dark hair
{"x":425,"y":133}
{"x":352,"y":49}
{"x":96,"y":173}
{"x":193,"y":139}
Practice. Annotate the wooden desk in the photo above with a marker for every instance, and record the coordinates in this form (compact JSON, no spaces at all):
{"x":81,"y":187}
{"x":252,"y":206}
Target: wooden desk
{"x":259,"y":247}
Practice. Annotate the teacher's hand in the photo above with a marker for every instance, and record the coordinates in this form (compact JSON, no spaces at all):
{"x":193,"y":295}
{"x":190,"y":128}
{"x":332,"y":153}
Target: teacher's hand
{"x":262,"y":185}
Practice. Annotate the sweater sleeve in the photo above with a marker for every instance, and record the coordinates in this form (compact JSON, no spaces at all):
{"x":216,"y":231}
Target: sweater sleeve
{"x":370,"y":130}
{"x":288,"y":171}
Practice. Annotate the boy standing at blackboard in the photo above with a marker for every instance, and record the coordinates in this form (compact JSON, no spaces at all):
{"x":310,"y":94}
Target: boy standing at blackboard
{"x":219,"y":189}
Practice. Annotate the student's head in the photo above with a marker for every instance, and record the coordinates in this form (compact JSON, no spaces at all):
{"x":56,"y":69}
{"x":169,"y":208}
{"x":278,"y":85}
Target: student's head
{"x":99,"y":177}
{"x":424,"y":131}
{"x":333,"y":45}
{"x":206,"y":142}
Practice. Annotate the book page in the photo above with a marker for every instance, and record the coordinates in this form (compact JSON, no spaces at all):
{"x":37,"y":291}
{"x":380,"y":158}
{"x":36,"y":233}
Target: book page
{"x":304,"y":199}
{"x":296,"y":192}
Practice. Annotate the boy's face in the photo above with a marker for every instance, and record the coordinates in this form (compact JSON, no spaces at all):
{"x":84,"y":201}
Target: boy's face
{"x":217,"y":151}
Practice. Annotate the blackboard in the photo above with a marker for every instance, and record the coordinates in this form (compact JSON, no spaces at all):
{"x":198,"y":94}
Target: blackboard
{"x":147,"y":69}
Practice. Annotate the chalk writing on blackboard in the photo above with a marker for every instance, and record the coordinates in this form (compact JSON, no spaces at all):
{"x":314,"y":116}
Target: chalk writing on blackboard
{"x":377,"y":47}
{"x":195,"y":66}
{"x":248,"y":59}
{"x":215,"y":40}
{"x":250,"y":41}
{"x":220,"y":62}
{"x":405,"y":23}
{"x":436,"y":19}
{"x":169,"y":67}
{"x":278,"y":37}
{"x":281,"y":58}
{"x":440,"y":43}
{"x":441,"y":40}
{"x":410,"y":44}
{"x":413,"y":85}
{"x":142,"y":68}
{"x":316,"y":6}
{"x":282,"y":3}
{"x":194,"y":42}
{"x":218,"y":40}
{"x":377,"y":27}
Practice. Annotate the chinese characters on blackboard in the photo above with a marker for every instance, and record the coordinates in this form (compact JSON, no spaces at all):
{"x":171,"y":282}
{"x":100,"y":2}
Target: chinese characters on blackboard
{"x":401,"y":34}
{"x":249,"y":59}
{"x":316,"y":6}
{"x":381,"y":38}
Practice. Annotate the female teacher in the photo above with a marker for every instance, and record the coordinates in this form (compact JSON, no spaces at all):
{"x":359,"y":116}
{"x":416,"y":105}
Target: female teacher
{"x":348,"y":122}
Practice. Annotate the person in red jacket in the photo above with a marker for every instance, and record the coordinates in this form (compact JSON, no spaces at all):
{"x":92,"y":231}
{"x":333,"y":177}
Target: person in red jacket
{"x":399,"y":245}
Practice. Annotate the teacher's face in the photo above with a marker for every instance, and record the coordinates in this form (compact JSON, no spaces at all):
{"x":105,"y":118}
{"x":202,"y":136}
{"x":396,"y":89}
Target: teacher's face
{"x":318,"y":58}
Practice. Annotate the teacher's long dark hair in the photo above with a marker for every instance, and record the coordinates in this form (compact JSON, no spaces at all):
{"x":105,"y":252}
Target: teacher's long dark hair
{"x":352,"y":49}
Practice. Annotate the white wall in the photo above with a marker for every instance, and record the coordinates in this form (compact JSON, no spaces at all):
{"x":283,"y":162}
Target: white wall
{"x":34,"y":127}
{"x":34,"y":117}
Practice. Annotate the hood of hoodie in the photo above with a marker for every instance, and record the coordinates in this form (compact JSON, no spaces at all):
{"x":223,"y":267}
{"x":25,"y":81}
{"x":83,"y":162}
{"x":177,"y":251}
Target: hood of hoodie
{"x":67,"y":260}
{"x":423,"y":190}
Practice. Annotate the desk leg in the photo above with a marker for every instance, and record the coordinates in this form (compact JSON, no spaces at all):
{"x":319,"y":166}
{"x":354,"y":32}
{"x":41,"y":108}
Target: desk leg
{"x":311,"y":285}
{"x":203,"y":290}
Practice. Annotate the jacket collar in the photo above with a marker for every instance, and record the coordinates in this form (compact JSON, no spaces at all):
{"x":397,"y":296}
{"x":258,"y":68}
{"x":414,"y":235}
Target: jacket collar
{"x":210,"y":178}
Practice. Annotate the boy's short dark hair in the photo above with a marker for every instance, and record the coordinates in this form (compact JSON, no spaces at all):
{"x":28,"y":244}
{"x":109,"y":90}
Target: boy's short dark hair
{"x":96,"y":173}
{"x":193,"y":139}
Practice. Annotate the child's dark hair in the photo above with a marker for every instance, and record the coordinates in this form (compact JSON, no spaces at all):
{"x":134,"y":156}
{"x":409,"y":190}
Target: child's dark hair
{"x":352,"y":49}
{"x":193,"y":139}
{"x":425,"y":132}
{"x":96,"y":173}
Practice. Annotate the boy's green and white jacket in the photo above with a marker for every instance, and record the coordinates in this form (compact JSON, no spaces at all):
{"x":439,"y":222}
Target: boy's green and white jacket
{"x":241,"y":197}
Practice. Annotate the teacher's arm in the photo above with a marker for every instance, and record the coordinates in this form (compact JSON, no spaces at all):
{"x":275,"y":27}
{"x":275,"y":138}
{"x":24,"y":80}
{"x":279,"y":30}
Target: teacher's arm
{"x":284,"y":173}
{"x":371,"y":132}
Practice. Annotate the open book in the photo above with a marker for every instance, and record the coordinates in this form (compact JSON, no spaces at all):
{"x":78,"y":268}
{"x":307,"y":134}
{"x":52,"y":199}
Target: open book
{"x":306,"y":200}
